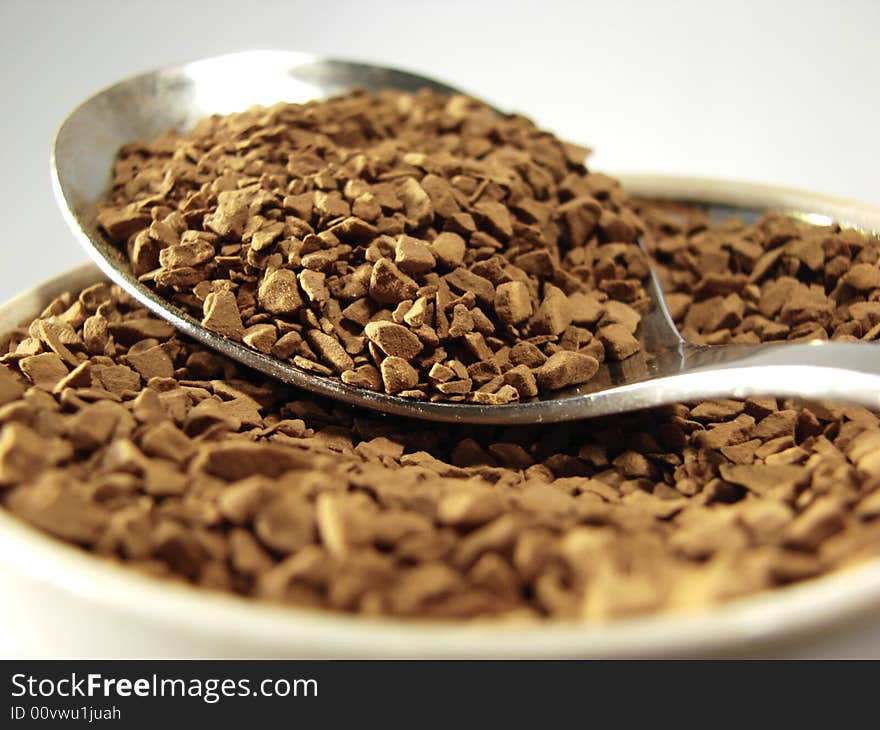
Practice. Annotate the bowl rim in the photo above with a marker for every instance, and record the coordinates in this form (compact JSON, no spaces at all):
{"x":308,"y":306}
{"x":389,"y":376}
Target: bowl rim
{"x":260,"y":628}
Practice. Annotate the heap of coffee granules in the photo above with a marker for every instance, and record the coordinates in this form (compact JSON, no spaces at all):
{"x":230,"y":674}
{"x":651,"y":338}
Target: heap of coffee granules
{"x":420,"y":244}
{"x":778,"y":279}
{"x":140,"y":446}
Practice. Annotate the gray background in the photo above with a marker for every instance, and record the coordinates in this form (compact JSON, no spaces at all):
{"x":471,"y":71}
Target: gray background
{"x":783,"y":92}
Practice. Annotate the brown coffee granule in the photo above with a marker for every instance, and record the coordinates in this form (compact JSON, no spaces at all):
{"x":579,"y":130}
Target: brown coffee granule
{"x":452,"y":233}
{"x":143,"y":448}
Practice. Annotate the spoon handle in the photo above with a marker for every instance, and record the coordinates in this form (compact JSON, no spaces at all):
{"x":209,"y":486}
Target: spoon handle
{"x":817,"y":370}
{"x":838,"y":372}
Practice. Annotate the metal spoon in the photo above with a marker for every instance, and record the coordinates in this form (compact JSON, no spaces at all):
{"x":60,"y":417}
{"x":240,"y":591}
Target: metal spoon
{"x":670,"y":370}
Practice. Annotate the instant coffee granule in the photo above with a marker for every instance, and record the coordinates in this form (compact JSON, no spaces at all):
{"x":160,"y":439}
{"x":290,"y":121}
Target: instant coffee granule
{"x":417,"y":244}
{"x":122,"y":437}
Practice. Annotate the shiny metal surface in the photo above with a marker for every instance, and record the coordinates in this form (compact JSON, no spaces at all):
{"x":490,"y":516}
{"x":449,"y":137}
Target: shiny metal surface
{"x":669,"y":371}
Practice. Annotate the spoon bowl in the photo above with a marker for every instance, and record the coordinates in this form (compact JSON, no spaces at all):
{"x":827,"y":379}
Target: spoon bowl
{"x":668,"y":370}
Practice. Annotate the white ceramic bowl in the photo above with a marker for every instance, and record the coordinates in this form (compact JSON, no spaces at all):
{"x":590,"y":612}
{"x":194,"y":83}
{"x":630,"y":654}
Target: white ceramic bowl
{"x":59,"y":601}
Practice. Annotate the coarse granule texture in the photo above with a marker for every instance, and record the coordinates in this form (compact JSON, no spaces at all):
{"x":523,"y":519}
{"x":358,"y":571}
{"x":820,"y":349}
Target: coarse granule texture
{"x":123,"y":438}
{"x":776,"y":279}
{"x":300,"y":229}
